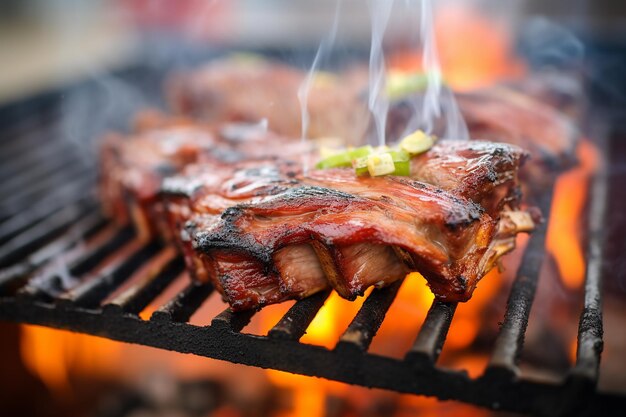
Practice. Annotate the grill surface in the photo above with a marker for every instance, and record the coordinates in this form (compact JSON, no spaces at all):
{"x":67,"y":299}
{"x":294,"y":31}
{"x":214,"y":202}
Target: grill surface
{"x":48,"y":207}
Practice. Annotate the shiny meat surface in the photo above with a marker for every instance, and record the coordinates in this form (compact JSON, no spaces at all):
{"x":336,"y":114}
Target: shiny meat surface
{"x":133,"y":167}
{"x":500,"y":112}
{"x":254,"y":89}
{"x":353,"y":228}
{"x":233,"y":197}
{"x":484,"y":172}
{"x":292,"y":234}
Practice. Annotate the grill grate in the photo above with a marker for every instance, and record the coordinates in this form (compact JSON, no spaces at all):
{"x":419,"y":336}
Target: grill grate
{"x":62,"y":211}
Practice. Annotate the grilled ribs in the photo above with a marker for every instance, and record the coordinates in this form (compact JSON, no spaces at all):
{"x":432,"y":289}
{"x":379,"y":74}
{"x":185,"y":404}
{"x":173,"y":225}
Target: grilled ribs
{"x":265,"y":232}
{"x":133,"y":167}
{"x":337,"y":108}
{"x":249,"y":89}
{"x":248,"y":219}
{"x":505,"y":115}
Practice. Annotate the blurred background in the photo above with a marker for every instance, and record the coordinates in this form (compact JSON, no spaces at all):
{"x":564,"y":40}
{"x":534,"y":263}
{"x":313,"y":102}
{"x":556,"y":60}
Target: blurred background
{"x":47,"y":42}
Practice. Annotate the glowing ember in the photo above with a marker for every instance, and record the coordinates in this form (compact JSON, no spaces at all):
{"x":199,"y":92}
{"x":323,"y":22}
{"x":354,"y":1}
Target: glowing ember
{"x":54,"y":356}
{"x":564,"y":240}
{"x":468,"y":68}
{"x":465,"y":69}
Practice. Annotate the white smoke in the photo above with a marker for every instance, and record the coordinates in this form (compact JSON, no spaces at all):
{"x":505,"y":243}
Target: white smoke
{"x":435,"y":109}
{"x":378,"y":103}
{"x":430,"y":61}
{"x":438,"y":103}
{"x":303,"y":92}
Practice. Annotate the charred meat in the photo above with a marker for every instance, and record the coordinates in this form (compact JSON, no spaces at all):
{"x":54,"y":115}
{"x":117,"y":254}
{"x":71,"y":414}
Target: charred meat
{"x":235,"y":200}
{"x":266,"y":232}
{"x":505,"y":115}
{"x":133,"y":167}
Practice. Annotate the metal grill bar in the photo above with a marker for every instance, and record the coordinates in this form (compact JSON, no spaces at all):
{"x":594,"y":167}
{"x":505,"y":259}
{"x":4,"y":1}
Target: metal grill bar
{"x":82,"y":229}
{"x":294,"y":323}
{"x":231,"y":321}
{"x":184,"y":304}
{"x":222,"y":340}
{"x":31,"y":176}
{"x":136,"y":298}
{"x":430,"y":339}
{"x":21,"y":119}
{"x":590,"y":328}
{"x":364,"y":326}
{"x":45,"y":151}
{"x":17,"y":200}
{"x":20,"y":143}
{"x":35,"y":236}
{"x":25,"y":146}
{"x":95,"y":290}
{"x":46,"y":208}
{"x":511,"y":337}
{"x":93,"y":256}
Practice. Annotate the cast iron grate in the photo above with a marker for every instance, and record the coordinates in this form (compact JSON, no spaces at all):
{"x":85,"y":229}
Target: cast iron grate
{"x":48,"y":207}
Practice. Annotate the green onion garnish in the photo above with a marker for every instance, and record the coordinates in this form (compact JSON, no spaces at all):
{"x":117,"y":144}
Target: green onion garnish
{"x":380,"y":164}
{"x":383,"y":163}
{"x":417,"y":142}
{"x":344,"y":159}
{"x":381,"y":160}
{"x":401,"y":84}
{"x":402,"y":163}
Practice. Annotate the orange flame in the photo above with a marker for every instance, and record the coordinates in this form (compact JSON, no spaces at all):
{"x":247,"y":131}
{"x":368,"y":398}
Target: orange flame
{"x":394,"y":338}
{"x":564,"y":231}
{"x":309,"y":394}
{"x":466,"y":68}
{"x":492,"y":57}
{"x":52,"y":355}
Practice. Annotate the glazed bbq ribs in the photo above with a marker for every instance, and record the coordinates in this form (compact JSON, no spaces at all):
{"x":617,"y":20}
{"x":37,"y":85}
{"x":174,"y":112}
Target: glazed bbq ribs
{"x":252,"y":217}
{"x":263,"y":231}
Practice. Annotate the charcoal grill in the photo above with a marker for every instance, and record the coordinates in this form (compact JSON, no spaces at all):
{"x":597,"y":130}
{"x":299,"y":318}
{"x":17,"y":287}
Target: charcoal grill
{"x":48,"y":206}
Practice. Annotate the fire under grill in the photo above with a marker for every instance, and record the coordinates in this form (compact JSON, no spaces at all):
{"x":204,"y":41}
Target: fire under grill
{"x":48,"y":207}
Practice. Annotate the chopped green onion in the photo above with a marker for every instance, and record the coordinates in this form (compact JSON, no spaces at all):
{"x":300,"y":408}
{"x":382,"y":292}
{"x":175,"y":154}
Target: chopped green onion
{"x":400,"y":84}
{"x":361,"y":152}
{"x":417,"y":142}
{"x":400,"y":156}
{"x":360,"y":166}
{"x":401,"y":161}
{"x":369,"y":161}
{"x":335,"y":161}
{"x":403,"y":168}
{"x":375,"y":162}
{"x":380,"y":164}
{"x":344,"y":159}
